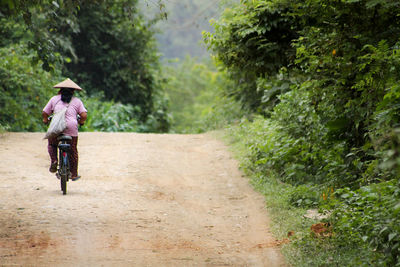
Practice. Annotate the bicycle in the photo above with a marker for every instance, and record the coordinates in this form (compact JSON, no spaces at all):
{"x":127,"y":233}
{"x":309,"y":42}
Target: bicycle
{"x":64,"y":148}
{"x":63,"y":172}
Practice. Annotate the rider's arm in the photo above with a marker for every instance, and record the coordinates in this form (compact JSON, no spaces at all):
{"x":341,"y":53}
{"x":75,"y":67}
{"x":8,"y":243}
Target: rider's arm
{"x":45,"y":117}
{"x":83,"y":118}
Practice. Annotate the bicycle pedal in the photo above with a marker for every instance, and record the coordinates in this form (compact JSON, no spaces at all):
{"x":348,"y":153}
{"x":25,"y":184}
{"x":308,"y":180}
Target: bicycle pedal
{"x":58,"y":176}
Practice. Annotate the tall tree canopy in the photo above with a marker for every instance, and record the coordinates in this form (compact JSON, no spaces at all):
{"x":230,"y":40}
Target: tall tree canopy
{"x":114,"y":52}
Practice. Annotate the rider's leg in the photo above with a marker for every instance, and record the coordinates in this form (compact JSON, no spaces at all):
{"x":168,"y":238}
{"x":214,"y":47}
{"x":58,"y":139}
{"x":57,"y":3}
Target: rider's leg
{"x":52,"y":149}
{"x":73,"y":159}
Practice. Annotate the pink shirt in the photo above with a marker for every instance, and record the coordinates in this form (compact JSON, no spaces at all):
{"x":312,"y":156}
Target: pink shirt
{"x":75,"y":107}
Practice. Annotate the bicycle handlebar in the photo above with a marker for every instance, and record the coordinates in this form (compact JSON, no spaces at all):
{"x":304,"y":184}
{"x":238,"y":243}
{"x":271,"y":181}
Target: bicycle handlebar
{"x":78,"y":117}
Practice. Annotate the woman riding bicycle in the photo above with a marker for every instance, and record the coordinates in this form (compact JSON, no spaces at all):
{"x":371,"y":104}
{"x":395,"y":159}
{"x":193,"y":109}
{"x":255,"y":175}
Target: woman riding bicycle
{"x":75,"y":107}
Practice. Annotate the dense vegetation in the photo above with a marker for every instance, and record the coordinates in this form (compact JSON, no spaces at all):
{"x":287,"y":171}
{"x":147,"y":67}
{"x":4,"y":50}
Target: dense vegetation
{"x":197,"y":99}
{"x":324,"y":76}
{"x":106,"y":47}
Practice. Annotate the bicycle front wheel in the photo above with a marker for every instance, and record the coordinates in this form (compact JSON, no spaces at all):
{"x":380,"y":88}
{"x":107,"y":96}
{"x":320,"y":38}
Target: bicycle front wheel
{"x":63,"y":180}
{"x":64,"y":173}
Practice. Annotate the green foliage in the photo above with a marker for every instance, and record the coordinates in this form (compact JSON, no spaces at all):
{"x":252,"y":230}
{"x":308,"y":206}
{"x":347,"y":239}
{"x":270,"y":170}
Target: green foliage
{"x":197,"y":103}
{"x":24,"y":90}
{"x":306,"y":196}
{"x":48,"y":22}
{"x":371,"y":215}
{"x":255,"y":36}
{"x":115,"y":54}
{"x":253,"y":40}
{"x":12,"y":31}
{"x":279,"y":144}
{"x":307,"y":251}
{"x":42,"y":20}
{"x":107,"y":116}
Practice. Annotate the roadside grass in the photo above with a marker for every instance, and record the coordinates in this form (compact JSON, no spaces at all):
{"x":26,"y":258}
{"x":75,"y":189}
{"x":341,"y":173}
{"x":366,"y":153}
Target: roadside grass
{"x":288,"y":223}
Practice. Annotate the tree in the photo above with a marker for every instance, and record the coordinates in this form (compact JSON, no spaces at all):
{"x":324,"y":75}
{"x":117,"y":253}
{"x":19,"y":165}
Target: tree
{"x":115,"y":53}
{"x":47,"y":20}
{"x":254,"y":40}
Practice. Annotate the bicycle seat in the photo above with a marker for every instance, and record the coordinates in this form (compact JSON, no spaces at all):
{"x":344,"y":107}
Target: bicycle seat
{"x":64,"y":138}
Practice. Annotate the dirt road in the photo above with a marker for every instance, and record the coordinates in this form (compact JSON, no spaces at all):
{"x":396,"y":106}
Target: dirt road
{"x":143,"y":200}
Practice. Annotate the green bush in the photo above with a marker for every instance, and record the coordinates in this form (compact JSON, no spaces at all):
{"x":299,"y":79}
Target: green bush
{"x":371,"y":215}
{"x":307,"y":196}
{"x":293,"y":143}
{"x":108,"y":116}
{"x":24,"y":89}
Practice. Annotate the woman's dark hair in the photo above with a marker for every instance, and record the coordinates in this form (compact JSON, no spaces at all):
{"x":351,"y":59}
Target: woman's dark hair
{"x":66,"y":94}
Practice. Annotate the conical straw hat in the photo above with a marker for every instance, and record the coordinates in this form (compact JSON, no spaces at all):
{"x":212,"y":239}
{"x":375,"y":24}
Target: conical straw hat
{"x":68,"y":83}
